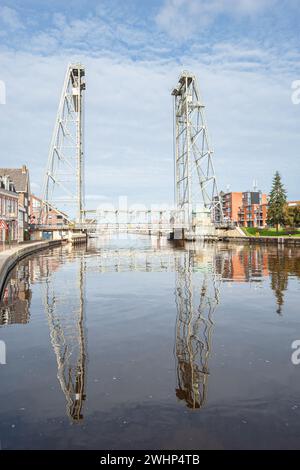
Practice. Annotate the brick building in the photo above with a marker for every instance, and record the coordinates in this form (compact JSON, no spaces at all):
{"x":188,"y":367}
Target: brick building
{"x":254,"y":209}
{"x":54,"y":217}
{"x":20,"y":179}
{"x":231,"y":205}
{"x":8,"y":210}
{"x":247,"y":209}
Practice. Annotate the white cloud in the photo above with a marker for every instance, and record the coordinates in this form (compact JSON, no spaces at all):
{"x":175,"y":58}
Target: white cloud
{"x":10,"y":18}
{"x":181,"y":18}
{"x":246,"y":89}
{"x":253,"y":124}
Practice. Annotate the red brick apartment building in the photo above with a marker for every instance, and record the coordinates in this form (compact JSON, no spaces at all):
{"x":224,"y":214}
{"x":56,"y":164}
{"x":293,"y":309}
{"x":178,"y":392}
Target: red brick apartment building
{"x":254,"y":209}
{"x":231,"y":205}
{"x":54,"y":217}
{"x":247,"y":209}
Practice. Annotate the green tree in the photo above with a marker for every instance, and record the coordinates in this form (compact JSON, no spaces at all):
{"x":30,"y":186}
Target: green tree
{"x":297,"y":215}
{"x":288,"y":216}
{"x":277,"y":203}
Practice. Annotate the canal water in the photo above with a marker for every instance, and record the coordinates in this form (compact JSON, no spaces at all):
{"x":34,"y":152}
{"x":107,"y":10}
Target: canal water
{"x":137,"y":343}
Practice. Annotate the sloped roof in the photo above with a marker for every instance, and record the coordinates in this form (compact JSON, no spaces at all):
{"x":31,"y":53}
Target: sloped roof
{"x":52,"y":208}
{"x":18,"y":177}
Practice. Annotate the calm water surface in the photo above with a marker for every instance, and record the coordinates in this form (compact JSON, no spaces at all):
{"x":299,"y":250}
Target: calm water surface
{"x":139,"y":344}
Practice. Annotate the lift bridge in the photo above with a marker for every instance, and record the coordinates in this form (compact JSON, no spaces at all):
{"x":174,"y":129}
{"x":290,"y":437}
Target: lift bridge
{"x":196,"y":193}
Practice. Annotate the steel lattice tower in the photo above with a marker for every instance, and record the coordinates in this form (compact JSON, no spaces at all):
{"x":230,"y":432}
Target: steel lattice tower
{"x":64,"y":178}
{"x":195,"y":180}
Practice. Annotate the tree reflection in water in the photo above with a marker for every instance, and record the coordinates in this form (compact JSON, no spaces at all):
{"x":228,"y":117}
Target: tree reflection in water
{"x":283,"y":263}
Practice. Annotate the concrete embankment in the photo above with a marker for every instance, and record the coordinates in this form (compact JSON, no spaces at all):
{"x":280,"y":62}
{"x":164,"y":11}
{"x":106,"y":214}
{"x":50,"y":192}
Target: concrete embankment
{"x":285,"y":241}
{"x":8,"y":258}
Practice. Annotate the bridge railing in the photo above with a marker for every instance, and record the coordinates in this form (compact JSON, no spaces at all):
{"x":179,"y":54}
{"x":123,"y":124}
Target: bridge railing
{"x":146,"y":227}
{"x":50,"y":227}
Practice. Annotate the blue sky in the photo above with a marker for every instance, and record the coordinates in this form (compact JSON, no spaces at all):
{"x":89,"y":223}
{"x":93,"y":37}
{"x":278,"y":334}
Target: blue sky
{"x":245,"y":54}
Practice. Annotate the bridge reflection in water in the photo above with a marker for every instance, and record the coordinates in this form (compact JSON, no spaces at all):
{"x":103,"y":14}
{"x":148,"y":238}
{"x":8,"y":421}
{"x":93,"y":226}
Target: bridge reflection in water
{"x":199,"y":271}
{"x":68,"y":338}
{"x":197,"y":296}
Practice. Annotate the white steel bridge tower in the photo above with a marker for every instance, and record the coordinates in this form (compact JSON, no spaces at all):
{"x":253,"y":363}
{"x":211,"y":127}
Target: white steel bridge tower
{"x":195,"y":180}
{"x":64,"y":178}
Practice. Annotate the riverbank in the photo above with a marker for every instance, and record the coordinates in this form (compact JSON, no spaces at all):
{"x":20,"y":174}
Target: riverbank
{"x":290,"y":241}
{"x":270,"y":232}
{"x":8,"y":258}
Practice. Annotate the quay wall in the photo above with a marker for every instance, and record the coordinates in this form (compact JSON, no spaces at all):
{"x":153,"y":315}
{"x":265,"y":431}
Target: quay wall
{"x":9,"y":258}
{"x":283,"y":241}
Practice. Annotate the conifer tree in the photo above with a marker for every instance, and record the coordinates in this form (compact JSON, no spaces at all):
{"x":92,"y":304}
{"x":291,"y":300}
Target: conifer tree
{"x":277,"y":203}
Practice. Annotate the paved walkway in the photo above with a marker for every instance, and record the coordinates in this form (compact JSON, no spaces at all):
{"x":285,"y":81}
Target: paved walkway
{"x":9,"y":246}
